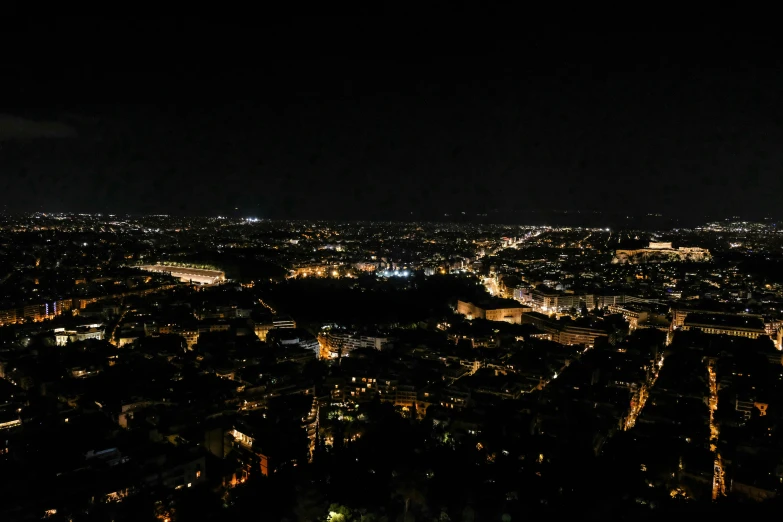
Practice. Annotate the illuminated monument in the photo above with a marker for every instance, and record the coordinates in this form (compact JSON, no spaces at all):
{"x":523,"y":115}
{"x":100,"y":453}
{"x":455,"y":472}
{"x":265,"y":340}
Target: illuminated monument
{"x":196,"y":275}
{"x":661,"y":253}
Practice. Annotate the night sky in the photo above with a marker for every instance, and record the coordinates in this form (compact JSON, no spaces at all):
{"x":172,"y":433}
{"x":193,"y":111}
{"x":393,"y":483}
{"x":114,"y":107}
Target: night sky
{"x":369,"y":119}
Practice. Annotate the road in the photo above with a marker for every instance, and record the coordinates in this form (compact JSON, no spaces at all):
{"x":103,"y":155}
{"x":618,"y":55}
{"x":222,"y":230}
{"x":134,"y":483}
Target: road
{"x":719,"y":476}
{"x":491,"y":284}
{"x":126,"y":310}
{"x":117,"y":325}
{"x":262,"y":303}
{"x":644,"y":393}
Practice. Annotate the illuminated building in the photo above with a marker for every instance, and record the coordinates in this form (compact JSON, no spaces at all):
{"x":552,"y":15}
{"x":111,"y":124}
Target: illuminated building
{"x":283,"y":321}
{"x":261,"y":330}
{"x":279,"y":322}
{"x":81,"y":333}
{"x":340,"y":343}
{"x":577,"y":335}
{"x":125,"y":341}
{"x":633,"y":314}
{"x":291,"y":337}
{"x":661,"y":253}
{"x":34,"y":312}
{"x":522,"y":294}
{"x":196,"y":275}
{"x":366,"y":267}
{"x":12,"y":423}
{"x":7,"y":317}
{"x":505,"y":310}
{"x":602,"y":301}
{"x":318,"y":270}
{"x":218,"y":326}
{"x":564,"y":332}
{"x":547,"y":300}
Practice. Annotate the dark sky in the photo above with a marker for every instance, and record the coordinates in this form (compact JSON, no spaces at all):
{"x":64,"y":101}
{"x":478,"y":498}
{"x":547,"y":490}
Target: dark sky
{"x":374,"y":118}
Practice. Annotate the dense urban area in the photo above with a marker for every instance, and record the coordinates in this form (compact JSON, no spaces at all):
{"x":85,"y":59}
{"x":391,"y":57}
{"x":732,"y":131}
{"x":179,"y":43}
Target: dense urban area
{"x":174,"y":369}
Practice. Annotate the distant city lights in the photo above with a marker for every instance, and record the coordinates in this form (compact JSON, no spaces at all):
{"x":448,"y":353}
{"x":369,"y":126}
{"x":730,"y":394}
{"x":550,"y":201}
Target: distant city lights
{"x":395,"y":273}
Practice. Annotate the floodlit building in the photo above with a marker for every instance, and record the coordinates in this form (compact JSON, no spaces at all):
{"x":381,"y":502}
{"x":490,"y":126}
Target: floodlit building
{"x":661,"y":253}
{"x":195,"y":275}
{"x":80,"y":333}
{"x":505,"y":310}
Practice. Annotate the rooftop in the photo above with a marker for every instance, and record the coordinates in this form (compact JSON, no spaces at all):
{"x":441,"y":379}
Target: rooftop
{"x":725,"y":321}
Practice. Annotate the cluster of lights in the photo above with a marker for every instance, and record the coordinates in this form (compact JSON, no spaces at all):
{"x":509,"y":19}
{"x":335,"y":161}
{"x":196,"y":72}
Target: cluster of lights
{"x":395,"y":273}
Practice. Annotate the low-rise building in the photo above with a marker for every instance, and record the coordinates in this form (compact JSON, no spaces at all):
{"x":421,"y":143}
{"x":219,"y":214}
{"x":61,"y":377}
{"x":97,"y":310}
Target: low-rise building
{"x":336,"y":343}
{"x":505,"y":310}
{"x":725,"y":324}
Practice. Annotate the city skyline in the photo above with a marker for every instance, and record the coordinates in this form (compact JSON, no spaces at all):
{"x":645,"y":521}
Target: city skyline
{"x":556,"y":219}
